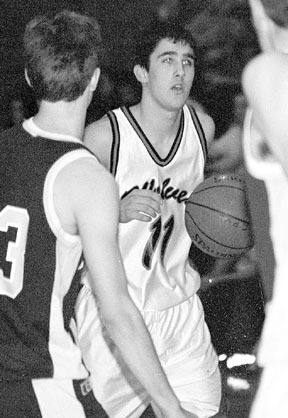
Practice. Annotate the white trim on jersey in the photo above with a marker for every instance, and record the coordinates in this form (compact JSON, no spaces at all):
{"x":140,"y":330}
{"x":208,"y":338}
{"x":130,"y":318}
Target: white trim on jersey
{"x":34,"y":130}
{"x":68,"y":252}
{"x":57,"y":398}
{"x":48,"y":199}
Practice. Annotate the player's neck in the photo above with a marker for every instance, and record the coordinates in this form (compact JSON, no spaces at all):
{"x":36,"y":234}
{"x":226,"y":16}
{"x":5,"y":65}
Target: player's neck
{"x":159,"y":126}
{"x":66,"y":118}
{"x":157,"y":120}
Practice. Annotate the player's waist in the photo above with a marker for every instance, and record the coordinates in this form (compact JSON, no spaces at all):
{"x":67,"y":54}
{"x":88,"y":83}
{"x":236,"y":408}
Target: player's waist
{"x":35,"y":357}
{"x":20,"y":368}
{"x":161,"y":297}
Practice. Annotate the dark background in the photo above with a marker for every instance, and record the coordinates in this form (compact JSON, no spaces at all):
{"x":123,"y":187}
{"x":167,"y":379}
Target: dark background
{"x":222,"y":28}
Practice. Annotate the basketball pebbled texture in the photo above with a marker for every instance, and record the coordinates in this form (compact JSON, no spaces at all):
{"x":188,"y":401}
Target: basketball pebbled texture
{"x":217,"y":216}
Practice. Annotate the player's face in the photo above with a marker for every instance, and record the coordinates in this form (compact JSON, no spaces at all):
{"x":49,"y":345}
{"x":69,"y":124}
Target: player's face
{"x":171,"y":73}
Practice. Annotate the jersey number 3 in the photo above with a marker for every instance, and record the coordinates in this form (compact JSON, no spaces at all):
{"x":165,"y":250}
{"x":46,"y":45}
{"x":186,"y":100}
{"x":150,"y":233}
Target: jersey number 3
{"x":14,"y":224}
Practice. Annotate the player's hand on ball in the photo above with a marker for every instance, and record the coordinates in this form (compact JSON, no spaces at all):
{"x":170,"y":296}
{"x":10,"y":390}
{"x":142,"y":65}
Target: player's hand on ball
{"x":140,"y":204}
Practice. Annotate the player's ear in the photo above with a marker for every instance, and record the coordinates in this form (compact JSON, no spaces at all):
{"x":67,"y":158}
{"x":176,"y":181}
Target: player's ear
{"x":140,"y":73}
{"x":27,"y":78}
{"x":94,"y":79}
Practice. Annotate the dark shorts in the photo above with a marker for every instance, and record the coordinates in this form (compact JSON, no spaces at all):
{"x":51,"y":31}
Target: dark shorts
{"x":49,"y":398}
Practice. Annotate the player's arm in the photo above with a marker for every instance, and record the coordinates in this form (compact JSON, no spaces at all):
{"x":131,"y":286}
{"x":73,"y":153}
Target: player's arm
{"x":92,"y":204}
{"x":265,"y":84}
{"x":139,"y":204}
{"x":208,"y":126}
{"x":225,"y":154}
{"x":98,"y":138}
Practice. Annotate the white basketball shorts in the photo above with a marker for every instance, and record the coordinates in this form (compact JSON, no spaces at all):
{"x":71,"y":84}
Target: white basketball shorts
{"x":183,"y":344}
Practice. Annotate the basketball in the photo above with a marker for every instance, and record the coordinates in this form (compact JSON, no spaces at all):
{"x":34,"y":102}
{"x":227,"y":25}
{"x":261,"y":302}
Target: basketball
{"x":217,"y":216}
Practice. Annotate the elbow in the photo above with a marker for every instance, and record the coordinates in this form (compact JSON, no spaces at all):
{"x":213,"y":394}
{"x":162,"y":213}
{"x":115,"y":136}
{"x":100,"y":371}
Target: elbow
{"x":123,"y":320}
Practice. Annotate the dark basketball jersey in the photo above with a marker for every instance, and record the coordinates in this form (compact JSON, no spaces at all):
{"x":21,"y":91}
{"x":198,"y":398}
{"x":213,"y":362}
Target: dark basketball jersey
{"x":38,"y":260}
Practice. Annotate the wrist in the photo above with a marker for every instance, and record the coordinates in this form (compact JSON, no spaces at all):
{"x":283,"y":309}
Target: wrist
{"x":170,"y":408}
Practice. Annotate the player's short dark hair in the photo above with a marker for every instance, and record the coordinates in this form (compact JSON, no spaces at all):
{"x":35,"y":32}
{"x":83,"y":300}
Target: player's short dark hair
{"x":150,"y":36}
{"x":61,"y":53}
{"x":277,"y":10}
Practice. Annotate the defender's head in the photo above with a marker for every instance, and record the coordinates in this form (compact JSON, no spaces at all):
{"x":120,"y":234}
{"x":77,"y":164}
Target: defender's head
{"x":61,"y":55}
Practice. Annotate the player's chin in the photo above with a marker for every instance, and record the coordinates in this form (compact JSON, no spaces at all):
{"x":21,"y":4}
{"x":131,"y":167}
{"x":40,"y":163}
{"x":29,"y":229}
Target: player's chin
{"x":177,"y":104}
{"x":180,"y":98}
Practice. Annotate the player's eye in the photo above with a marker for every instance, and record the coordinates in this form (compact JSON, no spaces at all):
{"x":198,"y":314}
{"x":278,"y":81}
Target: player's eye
{"x":168,"y":60}
{"x":188,"y":62}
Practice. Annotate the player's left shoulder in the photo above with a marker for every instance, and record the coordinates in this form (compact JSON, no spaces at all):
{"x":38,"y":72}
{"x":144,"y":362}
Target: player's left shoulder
{"x":81,"y":176}
{"x":79,"y":185}
{"x":98,"y":137}
{"x":207,"y":124}
{"x":83,"y":172}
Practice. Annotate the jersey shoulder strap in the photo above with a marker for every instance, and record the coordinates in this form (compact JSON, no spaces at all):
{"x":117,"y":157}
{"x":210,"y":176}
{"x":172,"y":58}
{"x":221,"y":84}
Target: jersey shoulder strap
{"x":114,"y":153}
{"x":200,"y":132}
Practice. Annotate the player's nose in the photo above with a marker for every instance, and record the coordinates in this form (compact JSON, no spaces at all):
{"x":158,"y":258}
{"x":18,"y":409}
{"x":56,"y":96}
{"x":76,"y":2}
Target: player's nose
{"x":180,"y":71}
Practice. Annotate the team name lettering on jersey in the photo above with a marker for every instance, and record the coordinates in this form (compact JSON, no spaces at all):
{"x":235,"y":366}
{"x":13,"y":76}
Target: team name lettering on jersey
{"x":165,"y":190}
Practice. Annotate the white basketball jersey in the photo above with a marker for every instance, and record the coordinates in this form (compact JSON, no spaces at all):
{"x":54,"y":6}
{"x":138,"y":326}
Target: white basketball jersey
{"x":155,"y":253}
{"x":274,"y":344}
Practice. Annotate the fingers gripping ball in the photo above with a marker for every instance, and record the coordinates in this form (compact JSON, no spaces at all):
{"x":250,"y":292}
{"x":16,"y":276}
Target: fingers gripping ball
{"x":217,"y":217}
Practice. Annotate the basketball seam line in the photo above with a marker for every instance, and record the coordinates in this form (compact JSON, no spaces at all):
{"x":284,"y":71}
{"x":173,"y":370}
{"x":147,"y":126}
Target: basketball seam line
{"x":217,"y":211}
{"x":215,"y":241}
{"x":217,"y":187}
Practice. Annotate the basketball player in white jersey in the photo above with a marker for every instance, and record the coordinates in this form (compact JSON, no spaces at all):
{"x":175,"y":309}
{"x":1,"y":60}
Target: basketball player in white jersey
{"x":266,"y":154}
{"x":156,"y":150}
{"x":57,"y":201}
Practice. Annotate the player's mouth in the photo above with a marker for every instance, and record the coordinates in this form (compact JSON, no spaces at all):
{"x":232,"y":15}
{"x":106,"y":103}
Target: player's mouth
{"x":178,"y":88}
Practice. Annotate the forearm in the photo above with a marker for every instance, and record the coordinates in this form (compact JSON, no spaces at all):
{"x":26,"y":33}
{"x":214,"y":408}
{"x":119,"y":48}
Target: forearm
{"x":134,"y":342}
{"x":121,"y":317}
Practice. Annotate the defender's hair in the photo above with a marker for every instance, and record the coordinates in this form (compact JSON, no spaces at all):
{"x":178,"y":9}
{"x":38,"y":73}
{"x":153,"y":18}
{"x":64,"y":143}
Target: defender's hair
{"x":277,"y":10}
{"x":61,"y":54}
{"x":150,"y":37}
